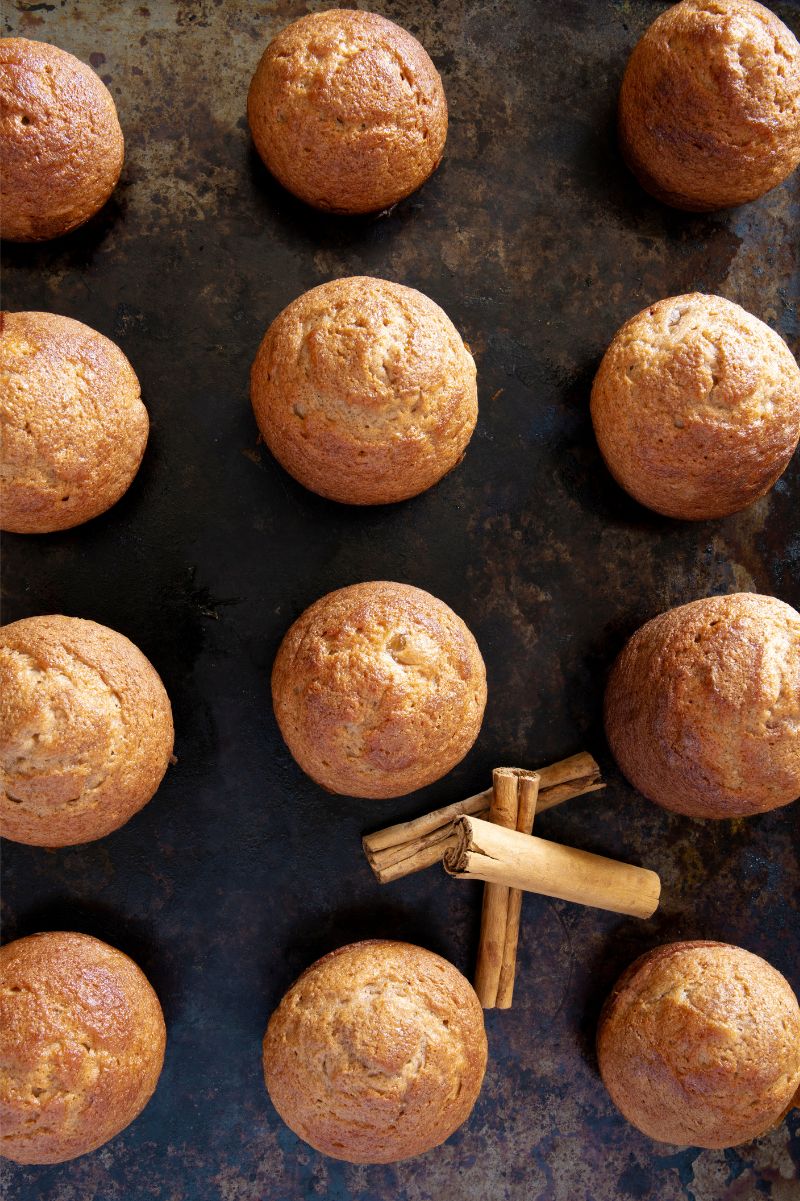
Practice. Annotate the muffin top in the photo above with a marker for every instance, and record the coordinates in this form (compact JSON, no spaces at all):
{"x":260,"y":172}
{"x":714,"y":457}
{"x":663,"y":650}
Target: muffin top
{"x":702,"y":708}
{"x":74,"y":426}
{"x":699,"y":1044}
{"x":709,"y":111}
{"x":696,"y":407}
{"x":347,"y":111}
{"x":61,"y":147}
{"x":378,"y":689}
{"x":364,"y":391}
{"x":81,"y":1045}
{"x":85,"y":730}
{"x":376,"y":1053}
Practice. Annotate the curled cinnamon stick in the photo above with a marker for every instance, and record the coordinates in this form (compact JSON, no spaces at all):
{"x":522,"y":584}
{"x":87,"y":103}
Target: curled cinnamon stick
{"x":418,"y":860}
{"x":484,"y":851}
{"x":411,"y":846}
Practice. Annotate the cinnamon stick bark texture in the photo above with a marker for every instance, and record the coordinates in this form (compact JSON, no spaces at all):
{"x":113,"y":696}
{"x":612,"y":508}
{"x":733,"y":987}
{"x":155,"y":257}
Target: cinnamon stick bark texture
{"x":528,"y":791}
{"x":484,"y":851}
{"x":494,"y":915}
{"x":411,"y":846}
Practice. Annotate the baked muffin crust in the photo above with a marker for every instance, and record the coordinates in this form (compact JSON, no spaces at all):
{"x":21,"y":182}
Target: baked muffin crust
{"x":347,"y":111}
{"x":699,"y":1044}
{"x":696,"y":407}
{"x":364,"y":391}
{"x":82,"y":1042}
{"x":378,"y":689}
{"x":61,"y":146}
{"x":85,"y":730}
{"x":709,"y":111}
{"x":376,"y":1053}
{"x":74,"y":426}
{"x":702,"y":708}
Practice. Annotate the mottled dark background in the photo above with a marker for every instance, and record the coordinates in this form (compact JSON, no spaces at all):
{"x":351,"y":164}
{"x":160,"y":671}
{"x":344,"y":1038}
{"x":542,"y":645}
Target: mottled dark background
{"x":241,"y":872}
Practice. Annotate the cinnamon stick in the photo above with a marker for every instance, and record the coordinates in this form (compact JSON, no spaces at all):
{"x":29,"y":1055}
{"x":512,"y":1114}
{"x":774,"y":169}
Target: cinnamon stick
{"x":426,"y":857}
{"x":528,"y":791}
{"x":484,"y":851}
{"x":413,"y":845}
{"x":406,"y":833}
{"x":503,"y":812}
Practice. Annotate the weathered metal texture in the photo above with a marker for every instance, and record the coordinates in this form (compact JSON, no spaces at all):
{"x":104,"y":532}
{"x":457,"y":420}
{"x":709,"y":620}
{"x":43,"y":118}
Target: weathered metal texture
{"x":539,"y":244}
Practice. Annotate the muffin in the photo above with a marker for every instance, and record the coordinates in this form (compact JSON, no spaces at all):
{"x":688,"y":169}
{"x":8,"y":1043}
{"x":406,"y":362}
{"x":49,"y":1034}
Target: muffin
{"x":85,"y":731}
{"x":696,"y":407}
{"x":61,"y":147}
{"x":74,"y":426}
{"x":364,"y":391}
{"x":347,"y":111}
{"x":81,"y":1046}
{"x":378,"y":689}
{"x":376,"y":1053}
{"x":709,"y":111}
{"x":702,"y":709}
{"x":699,"y":1044}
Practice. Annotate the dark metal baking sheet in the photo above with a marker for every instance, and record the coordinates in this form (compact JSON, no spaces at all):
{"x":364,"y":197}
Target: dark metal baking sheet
{"x":241,"y":872}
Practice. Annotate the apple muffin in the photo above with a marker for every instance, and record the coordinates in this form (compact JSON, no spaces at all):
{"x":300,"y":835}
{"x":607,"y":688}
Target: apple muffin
{"x":699,"y":1044}
{"x":364,"y":391}
{"x":378,"y":689}
{"x":702,"y":708}
{"x":347,"y":111}
{"x":82,"y":1041}
{"x":709,"y":110}
{"x":85,"y":730}
{"x":61,"y":146}
{"x":377,"y":1053}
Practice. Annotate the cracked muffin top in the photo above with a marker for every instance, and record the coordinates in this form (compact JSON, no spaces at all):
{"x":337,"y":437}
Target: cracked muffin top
{"x":61,"y":147}
{"x":702,"y":708}
{"x":81,"y":1046}
{"x":378,"y":689}
{"x":364,"y":391}
{"x":85,"y":730}
{"x":73,"y":422}
{"x":709,"y":110}
{"x":699,"y":1044}
{"x":376,"y":1053}
{"x":696,"y":407}
{"x":347,"y":111}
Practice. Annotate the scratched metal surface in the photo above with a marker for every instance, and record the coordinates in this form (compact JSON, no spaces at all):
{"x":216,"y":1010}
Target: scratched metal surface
{"x":241,"y":872}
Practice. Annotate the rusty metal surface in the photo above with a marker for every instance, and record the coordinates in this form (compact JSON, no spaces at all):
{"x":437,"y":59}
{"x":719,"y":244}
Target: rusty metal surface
{"x":241,"y":872}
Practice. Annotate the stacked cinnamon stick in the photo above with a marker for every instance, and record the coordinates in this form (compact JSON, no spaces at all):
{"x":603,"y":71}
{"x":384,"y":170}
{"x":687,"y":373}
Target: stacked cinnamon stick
{"x":503,"y":852}
{"x":411,"y":846}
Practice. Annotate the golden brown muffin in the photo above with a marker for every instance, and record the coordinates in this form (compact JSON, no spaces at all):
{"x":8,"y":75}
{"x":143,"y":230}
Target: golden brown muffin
{"x":702,"y":708}
{"x":348,"y":111}
{"x":699,"y":1044}
{"x":696,"y":407}
{"x":378,"y":689}
{"x":85,"y":730}
{"x":376,"y":1053}
{"x":73,"y":423}
{"x":709,"y":111}
{"x":61,"y":147}
{"x":81,"y":1046}
{"x":364,"y":391}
